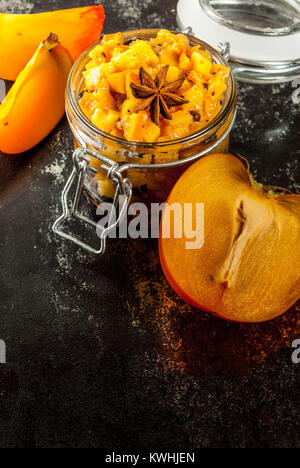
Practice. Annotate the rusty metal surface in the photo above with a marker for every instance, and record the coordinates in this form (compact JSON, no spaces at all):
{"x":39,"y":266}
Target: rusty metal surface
{"x":100,"y":351}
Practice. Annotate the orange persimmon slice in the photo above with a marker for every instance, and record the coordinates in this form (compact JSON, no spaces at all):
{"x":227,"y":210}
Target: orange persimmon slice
{"x":77,"y":29}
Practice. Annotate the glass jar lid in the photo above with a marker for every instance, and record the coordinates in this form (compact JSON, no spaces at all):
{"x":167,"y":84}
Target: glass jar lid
{"x":264,"y":35}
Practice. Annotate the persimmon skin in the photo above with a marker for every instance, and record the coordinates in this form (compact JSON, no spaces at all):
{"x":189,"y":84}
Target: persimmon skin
{"x":264,"y":261}
{"x":182,"y":294}
{"x":77,"y":29}
{"x":36,"y":102}
{"x":180,"y":291}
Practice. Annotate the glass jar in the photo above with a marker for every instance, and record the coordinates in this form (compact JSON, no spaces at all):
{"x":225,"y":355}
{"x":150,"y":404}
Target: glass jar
{"x":264,"y":35}
{"x":106,"y":166}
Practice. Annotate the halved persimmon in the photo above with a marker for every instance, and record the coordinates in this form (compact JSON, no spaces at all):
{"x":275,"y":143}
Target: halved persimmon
{"x":248,"y":269}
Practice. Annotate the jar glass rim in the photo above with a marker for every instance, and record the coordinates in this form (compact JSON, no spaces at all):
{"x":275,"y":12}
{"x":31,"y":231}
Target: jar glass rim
{"x":227,"y":106}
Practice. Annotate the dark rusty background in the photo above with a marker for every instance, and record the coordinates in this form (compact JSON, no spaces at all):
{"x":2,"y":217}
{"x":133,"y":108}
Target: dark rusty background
{"x":101,"y":352}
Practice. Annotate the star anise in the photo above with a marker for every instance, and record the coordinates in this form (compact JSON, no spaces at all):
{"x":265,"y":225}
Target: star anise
{"x":157,"y":95}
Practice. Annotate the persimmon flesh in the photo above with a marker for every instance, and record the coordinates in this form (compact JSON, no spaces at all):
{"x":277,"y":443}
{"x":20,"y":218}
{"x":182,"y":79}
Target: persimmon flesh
{"x":248,"y":269}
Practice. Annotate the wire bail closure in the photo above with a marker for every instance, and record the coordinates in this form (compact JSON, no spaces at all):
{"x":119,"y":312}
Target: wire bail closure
{"x":82,"y":158}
